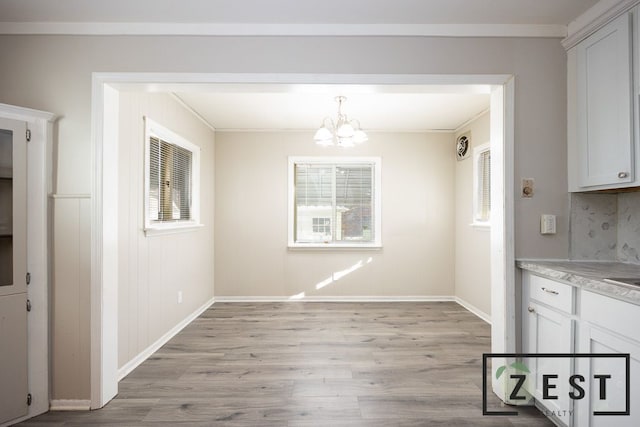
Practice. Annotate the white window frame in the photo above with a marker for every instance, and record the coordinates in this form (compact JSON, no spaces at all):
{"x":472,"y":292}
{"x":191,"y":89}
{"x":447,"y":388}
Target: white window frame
{"x":377,"y":200}
{"x":154,"y":129}
{"x":477,"y":202}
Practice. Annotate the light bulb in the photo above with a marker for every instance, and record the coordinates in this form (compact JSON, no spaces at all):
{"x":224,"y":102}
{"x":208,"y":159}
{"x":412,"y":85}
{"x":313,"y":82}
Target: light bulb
{"x":345,"y":131}
{"x":322,"y":135}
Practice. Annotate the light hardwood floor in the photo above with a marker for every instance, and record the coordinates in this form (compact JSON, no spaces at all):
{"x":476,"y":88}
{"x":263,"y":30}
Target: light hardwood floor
{"x":311,"y":364}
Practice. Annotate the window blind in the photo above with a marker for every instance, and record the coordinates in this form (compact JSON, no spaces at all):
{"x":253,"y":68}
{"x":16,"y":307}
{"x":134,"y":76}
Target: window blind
{"x":170,"y":186}
{"x":484,"y":187}
{"x":342,"y":193}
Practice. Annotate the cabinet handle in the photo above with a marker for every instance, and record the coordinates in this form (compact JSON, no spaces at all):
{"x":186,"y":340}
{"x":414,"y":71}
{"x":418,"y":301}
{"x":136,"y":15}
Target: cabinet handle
{"x":531,"y":310}
{"x":550,"y":291}
{"x":623,"y":174}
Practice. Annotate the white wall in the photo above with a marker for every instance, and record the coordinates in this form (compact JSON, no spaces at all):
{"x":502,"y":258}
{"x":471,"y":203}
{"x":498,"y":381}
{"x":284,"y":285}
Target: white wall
{"x":53,"y":73}
{"x":152,"y":269}
{"x":252,"y":258}
{"x":473,"y":245}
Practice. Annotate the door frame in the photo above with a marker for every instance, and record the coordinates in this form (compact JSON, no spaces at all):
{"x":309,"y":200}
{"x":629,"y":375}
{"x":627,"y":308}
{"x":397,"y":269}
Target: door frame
{"x":104,"y":223}
{"x":39,"y":188}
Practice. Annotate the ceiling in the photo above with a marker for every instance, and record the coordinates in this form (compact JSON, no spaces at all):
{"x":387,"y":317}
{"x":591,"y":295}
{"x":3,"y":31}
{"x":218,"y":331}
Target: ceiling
{"x":303,"y":107}
{"x":539,"y":12}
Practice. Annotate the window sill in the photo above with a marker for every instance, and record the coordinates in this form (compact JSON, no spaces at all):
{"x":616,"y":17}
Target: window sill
{"x":171,"y":229}
{"x":333,"y":246}
{"x":486,"y":226}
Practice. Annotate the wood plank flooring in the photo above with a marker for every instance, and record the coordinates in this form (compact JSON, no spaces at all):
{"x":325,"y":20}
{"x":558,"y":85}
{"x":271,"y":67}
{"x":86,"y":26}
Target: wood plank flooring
{"x":311,"y":364}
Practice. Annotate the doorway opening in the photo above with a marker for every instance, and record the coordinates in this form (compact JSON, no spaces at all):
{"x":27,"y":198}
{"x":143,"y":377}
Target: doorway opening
{"x":105,"y":112}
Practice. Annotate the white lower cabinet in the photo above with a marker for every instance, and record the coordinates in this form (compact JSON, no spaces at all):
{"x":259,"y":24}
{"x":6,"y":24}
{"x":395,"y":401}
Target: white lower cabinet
{"x":549,"y":329}
{"x":608,"y":326}
{"x":559,"y":318}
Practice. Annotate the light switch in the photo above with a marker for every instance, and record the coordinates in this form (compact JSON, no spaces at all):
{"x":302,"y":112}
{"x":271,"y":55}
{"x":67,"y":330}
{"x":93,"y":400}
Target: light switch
{"x":547,"y":224}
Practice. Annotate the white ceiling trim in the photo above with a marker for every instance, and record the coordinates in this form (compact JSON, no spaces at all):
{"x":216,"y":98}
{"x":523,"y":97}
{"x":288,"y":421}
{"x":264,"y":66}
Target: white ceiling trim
{"x":462,"y":126}
{"x":253,"y":29}
{"x":310,"y":131}
{"x":192,"y":111}
{"x":595,"y":18}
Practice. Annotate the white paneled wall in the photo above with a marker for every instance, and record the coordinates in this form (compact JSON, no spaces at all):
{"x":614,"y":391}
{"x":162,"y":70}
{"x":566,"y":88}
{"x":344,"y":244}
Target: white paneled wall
{"x":70,"y":334}
{"x":153,"y":269}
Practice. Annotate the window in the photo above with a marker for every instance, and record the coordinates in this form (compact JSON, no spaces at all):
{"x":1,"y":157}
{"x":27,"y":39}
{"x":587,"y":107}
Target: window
{"x":482,"y":185}
{"x":334,"y":202}
{"x":322,"y":226}
{"x":172,"y":173}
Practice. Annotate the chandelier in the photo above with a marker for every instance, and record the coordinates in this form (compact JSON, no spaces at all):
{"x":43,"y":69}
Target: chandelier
{"x":341,"y":132}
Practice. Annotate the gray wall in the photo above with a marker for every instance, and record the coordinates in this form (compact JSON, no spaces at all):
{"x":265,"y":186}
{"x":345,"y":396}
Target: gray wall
{"x":54,"y":73}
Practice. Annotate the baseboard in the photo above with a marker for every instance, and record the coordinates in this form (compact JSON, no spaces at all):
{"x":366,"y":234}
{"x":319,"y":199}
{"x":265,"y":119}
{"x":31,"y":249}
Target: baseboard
{"x":70,"y":405}
{"x":144,"y":355}
{"x":475,"y":310}
{"x":408,"y":298}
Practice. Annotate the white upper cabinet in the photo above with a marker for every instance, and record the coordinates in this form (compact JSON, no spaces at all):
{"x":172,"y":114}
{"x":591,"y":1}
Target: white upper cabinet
{"x":602,"y":147}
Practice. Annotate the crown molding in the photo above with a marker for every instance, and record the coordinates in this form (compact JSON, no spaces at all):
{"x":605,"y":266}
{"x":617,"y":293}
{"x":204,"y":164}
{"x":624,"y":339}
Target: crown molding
{"x":249,"y":29}
{"x":595,"y":18}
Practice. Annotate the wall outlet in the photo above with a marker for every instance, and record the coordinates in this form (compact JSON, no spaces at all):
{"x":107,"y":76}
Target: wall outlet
{"x":527,"y":188}
{"x":179,"y":297}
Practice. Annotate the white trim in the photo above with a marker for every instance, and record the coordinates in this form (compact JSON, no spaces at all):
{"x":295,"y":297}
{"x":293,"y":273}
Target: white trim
{"x":70,"y":405}
{"x":164,"y":229}
{"x":314,"y":298}
{"x":369,"y":130}
{"x":104,"y":340}
{"x":257,"y":29}
{"x":466,"y":124}
{"x":479,"y":225}
{"x":309,"y":247}
{"x":595,"y":18}
{"x":192,"y":111}
{"x":473,"y":309}
{"x":26,"y":114}
{"x":115,"y":79}
{"x":144,"y":355}
{"x":70,"y":196}
{"x":503,"y":303}
{"x":104,"y":249}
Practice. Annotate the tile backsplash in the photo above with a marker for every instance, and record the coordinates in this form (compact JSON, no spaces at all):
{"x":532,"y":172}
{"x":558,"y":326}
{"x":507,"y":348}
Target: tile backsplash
{"x":629,"y":227}
{"x":605,"y":227}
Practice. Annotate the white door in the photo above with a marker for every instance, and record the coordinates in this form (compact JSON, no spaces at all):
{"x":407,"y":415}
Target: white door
{"x":13,"y":270}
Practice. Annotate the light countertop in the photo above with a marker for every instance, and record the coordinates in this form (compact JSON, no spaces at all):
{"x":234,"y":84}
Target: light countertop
{"x":589,"y":275}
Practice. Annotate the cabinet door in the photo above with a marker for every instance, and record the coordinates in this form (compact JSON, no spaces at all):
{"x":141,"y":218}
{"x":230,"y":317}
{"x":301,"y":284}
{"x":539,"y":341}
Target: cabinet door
{"x":593,"y":339}
{"x":549,"y":331}
{"x":13,"y":269}
{"x":604,"y":106}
